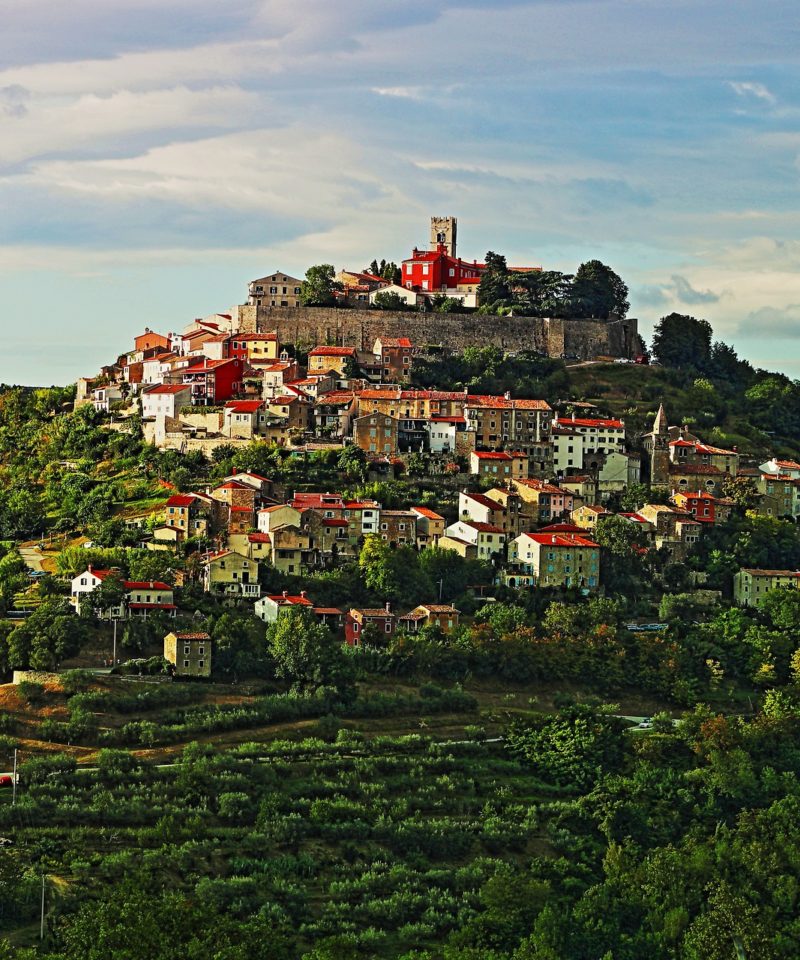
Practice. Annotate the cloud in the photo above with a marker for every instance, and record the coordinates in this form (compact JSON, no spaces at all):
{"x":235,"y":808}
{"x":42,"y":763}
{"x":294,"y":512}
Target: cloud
{"x":775,"y":321}
{"x":749,"y":89}
{"x":12,"y":101}
{"x":686,"y":293}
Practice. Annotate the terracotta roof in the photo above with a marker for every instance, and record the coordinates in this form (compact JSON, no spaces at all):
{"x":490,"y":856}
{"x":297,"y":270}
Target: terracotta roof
{"x":192,"y":636}
{"x":331,"y":611}
{"x":485,"y":501}
{"x":492,"y":455}
{"x":482,"y":527}
{"x":481,"y":400}
{"x":332,"y":352}
{"x":146,"y":585}
{"x":284,"y":600}
{"x":561,"y":540}
{"x":394,"y":341}
{"x":244,"y":406}
{"x":426,"y":512}
{"x":259,"y":538}
{"x":181,"y":500}
{"x":372,"y":612}
{"x":168,"y":388}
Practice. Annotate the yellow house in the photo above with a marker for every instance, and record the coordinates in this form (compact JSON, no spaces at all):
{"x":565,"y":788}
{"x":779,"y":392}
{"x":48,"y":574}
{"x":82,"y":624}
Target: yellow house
{"x":322,"y":359}
{"x":441,"y":615}
{"x":588,"y":516}
{"x":259,"y":346}
{"x":230,"y":574}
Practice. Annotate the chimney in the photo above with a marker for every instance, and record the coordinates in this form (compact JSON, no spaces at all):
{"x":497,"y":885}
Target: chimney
{"x":573,"y":416}
{"x":285,"y":593}
{"x":303,"y":593}
{"x":507,"y":395}
{"x":388,"y":607}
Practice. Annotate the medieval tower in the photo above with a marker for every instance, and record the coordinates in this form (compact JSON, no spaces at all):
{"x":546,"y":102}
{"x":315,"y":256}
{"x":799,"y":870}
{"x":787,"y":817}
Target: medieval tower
{"x":659,"y":453}
{"x":444,"y":230}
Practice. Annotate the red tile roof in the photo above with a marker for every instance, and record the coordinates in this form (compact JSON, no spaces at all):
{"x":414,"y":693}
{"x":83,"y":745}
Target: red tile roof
{"x":181,"y":500}
{"x":500,"y":403}
{"x":332,"y":352}
{"x":244,"y":406}
{"x":561,"y":540}
{"x":168,"y":388}
{"x":426,"y":512}
{"x":482,"y":527}
{"x":484,"y":501}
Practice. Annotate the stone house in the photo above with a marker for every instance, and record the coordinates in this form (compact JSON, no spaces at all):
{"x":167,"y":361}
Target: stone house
{"x":190,"y":653}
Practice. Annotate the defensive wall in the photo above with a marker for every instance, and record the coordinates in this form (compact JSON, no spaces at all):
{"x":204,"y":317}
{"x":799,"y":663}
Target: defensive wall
{"x":310,"y":326}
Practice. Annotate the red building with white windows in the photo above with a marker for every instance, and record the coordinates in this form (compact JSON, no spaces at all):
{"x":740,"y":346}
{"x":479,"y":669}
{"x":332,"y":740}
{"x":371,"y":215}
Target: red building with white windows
{"x":435,"y":271}
{"x":213,"y":381}
{"x":383,"y":620}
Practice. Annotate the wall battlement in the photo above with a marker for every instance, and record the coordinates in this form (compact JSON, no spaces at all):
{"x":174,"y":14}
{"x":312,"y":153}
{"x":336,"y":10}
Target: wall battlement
{"x":309,"y":326}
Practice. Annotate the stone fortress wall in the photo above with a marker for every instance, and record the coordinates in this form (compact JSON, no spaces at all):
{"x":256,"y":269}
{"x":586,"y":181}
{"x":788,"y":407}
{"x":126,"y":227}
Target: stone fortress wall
{"x":331,"y":326}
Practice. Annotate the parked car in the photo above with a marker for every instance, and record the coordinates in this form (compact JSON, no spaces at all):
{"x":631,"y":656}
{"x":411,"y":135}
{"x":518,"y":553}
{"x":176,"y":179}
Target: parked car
{"x":646,"y":724}
{"x":642,"y":359}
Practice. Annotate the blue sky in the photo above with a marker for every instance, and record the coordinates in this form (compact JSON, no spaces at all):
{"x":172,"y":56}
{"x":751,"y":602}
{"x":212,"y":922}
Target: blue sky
{"x":155,"y":155}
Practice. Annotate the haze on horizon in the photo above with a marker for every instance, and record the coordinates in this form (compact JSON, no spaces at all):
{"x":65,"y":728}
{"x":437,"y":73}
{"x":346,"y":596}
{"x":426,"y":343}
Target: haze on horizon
{"x":158,"y":154}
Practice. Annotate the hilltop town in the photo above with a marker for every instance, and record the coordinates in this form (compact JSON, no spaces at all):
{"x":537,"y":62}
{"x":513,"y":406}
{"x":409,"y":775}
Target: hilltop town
{"x":359,"y":612}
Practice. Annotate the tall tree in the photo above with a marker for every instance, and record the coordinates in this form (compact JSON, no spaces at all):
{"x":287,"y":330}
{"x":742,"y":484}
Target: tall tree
{"x":599,"y":292}
{"x":494,"y":289}
{"x":306,"y":652}
{"x":319,"y":287}
{"x":682,"y":341}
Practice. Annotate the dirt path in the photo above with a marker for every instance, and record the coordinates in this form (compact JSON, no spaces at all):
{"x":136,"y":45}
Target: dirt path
{"x":33,"y":558}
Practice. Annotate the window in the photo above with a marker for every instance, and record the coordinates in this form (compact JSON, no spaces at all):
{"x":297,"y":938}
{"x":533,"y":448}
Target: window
{"x":388,"y":626}
{"x":186,"y":664}
{"x":201,"y":664}
{"x":186,"y":651}
{"x":201,"y":651}
{"x":355,"y":627}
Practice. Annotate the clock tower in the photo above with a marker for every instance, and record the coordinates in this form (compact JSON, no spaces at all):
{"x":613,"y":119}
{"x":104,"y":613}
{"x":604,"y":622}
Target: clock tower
{"x":443,"y":231}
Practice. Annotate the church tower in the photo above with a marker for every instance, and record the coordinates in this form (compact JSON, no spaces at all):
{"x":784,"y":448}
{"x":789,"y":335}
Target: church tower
{"x":444,"y":230}
{"x":659,"y":455}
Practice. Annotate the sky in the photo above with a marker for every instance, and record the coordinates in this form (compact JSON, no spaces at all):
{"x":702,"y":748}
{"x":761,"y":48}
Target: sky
{"x":156,"y":155}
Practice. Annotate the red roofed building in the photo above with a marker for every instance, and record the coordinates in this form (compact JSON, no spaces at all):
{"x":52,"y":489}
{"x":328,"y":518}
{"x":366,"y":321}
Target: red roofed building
{"x":554,"y":560}
{"x":338,"y":359}
{"x":141,"y":597}
{"x":381,"y":620}
{"x":212,"y":382}
{"x":165,"y":400}
{"x":497,"y":465}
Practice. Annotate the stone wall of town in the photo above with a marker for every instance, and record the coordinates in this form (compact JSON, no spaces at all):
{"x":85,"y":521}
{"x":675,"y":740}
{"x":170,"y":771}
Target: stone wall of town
{"x":309,"y":326}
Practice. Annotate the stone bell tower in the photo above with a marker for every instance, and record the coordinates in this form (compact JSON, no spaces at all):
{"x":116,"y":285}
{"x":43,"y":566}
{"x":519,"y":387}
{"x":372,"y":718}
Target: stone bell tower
{"x":443,"y":230}
{"x":659,"y":454}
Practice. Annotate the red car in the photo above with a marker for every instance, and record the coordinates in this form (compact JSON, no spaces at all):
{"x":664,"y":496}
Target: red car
{"x":6,"y":780}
